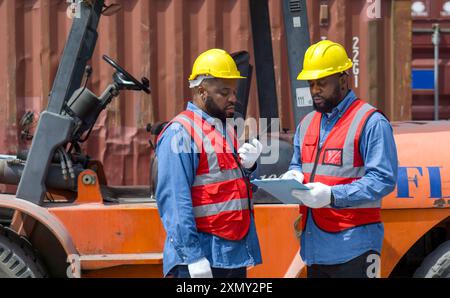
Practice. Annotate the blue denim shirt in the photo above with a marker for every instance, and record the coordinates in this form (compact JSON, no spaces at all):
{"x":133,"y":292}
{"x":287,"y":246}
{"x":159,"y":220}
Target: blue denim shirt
{"x":378,"y":150}
{"x":184,"y":244}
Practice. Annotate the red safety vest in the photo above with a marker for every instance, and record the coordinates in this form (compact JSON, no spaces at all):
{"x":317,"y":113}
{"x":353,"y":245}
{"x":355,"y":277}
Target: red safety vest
{"x":221,"y":197}
{"x":338,"y":161}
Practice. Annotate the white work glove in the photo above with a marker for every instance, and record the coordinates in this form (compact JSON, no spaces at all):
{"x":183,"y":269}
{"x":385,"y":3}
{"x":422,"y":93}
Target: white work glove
{"x":249,"y":153}
{"x":318,"y":196}
{"x":293,"y":174}
{"x":200,"y":269}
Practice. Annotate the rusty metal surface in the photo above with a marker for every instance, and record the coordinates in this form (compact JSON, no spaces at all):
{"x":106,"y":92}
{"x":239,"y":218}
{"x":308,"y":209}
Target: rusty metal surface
{"x":378,"y":41}
{"x":95,"y":262}
{"x":160,"y":39}
{"x":422,"y":58}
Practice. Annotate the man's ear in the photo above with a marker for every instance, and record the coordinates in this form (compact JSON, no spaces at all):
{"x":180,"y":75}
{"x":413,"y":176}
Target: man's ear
{"x":343,"y":82}
{"x":201,"y":91}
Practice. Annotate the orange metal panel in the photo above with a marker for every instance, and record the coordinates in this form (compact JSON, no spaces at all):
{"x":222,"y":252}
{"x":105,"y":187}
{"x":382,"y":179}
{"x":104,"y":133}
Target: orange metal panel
{"x":88,"y":188}
{"x":113,"y":229}
{"x":126,"y":271}
{"x":279,"y":246}
{"x":96,"y":262}
{"x":421,"y":146}
{"x":122,"y":229}
{"x":402,"y":228}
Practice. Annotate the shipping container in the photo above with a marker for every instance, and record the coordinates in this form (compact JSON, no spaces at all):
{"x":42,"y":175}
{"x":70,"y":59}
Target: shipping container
{"x":161,"y":38}
{"x":377,"y":36}
{"x":424,"y":15}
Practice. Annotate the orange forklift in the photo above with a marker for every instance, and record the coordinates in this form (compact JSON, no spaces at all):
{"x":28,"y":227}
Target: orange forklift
{"x":66,"y":221}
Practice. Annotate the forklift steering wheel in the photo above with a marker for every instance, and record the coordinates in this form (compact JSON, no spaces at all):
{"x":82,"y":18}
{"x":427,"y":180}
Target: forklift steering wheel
{"x":126,"y":74}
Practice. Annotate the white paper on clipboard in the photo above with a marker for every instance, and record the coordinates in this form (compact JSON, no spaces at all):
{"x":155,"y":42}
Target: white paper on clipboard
{"x":281,"y":189}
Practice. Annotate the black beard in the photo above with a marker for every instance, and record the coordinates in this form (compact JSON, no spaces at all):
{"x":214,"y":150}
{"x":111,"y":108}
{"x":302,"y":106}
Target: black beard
{"x":329,"y":103}
{"x":325,"y":109}
{"x":213,"y":110}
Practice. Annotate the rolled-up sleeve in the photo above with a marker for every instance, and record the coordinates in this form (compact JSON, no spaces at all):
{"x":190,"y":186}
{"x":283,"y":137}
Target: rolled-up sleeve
{"x":177,"y":163}
{"x":379,"y":152}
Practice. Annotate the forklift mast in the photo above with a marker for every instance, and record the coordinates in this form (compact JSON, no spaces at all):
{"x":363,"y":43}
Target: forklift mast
{"x":298,"y":40}
{"x":54,"y":127}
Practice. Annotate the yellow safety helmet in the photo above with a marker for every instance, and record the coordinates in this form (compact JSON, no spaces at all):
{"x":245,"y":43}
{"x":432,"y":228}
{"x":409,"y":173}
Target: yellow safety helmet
{"x":324,"y":59}
{"x":215,"y":63}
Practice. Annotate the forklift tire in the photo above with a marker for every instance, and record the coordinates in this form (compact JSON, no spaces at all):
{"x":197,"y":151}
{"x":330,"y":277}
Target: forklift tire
{"x":17,"y":258}
{"x":436,"y":264}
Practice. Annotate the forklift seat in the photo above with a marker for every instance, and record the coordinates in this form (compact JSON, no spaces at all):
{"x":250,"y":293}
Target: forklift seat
{"x":127,"y":194}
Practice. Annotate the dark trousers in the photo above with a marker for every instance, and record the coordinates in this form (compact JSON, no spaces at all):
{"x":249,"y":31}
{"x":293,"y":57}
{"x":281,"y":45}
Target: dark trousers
{"x":181,"y":271}
{"x":366,"y":265}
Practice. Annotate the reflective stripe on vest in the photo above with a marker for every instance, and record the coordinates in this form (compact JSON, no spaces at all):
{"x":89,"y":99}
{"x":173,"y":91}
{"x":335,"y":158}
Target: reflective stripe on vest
{"x":214,"y":209}
{"x":220,"y":204}
{"x":347,"y":165}
{"x":215,"y":174}
{"x":329,"y":170}
{"x":348,"y":170}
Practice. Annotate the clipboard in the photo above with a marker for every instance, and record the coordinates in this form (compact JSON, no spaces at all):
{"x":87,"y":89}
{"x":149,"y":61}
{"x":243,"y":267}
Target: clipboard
{"x":281,"y":189}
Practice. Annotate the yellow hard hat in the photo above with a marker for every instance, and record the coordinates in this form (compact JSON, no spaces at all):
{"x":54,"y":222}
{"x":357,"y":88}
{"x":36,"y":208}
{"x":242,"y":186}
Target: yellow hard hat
{"x":216,"y":63}
{"x":324,"y":59}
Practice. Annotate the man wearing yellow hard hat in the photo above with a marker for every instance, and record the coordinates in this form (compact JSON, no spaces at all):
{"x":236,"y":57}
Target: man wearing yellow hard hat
{"x":203,"y":192}
{"x":345,"y":152}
